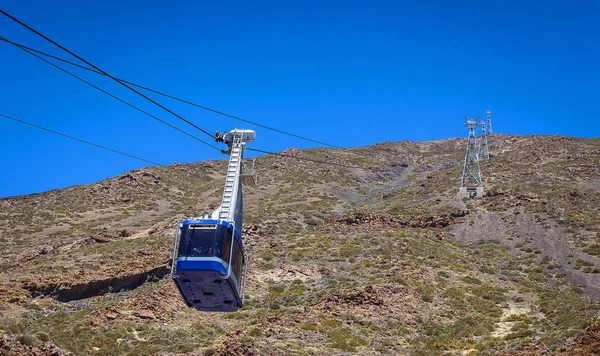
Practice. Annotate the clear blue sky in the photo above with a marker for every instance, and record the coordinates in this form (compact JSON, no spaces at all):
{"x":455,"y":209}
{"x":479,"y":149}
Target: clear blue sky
{"x":351,"y":73}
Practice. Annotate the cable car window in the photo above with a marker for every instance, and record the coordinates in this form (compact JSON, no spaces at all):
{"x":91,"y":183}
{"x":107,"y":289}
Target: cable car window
{"x":197,"y":240}
{"x":226,"y":246}
{"x":204,"y":241}
{"x":220,"y":237}
{"x":241,"y":286}
{"x":236,"y":264}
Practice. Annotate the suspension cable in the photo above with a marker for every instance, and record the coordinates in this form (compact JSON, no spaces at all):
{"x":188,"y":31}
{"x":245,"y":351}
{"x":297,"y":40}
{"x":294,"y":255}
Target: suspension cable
{"x":80,"y":140}
{"x":103,"y":72}
{"x":308,"y":159}
{"x":121,"y":100}
{"x":168,"y":95}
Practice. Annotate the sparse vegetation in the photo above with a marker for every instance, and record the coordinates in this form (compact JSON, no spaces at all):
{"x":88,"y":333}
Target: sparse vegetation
{"x":321,"y":277}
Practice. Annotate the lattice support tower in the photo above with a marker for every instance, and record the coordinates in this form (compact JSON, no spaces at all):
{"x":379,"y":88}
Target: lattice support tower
{"x":483,"y":149}
{"x":471,"y":184}
{"x":488,"y":123}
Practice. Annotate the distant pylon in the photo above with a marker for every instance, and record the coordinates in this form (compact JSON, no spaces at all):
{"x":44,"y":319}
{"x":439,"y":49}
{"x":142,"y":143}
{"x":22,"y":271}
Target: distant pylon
{"x":483,"y":150}
{"x":471,"y":184}
{"x":488,"y":122}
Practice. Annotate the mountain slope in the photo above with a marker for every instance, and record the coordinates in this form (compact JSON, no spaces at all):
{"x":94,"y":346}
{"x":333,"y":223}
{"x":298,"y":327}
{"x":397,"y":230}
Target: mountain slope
{"x":342,"y":260}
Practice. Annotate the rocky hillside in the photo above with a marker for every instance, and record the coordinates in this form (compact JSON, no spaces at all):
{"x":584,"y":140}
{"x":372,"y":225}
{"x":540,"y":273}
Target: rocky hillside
{"x":383,"y":260}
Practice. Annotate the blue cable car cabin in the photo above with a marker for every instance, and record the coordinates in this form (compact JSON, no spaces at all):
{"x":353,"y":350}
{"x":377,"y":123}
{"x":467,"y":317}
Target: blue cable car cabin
{"x":210,"y":267}
{"x":209,"y":264}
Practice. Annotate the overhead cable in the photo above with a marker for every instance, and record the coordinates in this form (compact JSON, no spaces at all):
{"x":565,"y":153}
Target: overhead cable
{"x":121,"y":100}
{"x":307,"y":159}
{"x":103,"y":72}
{"x":169,"y":96}
{"x":174,"y":127}
{"x":80,"y":140}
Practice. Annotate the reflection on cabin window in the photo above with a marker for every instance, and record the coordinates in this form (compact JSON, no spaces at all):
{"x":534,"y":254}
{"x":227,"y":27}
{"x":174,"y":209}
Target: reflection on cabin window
{"x":236,"y":264}
{"x":203,"y":241}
